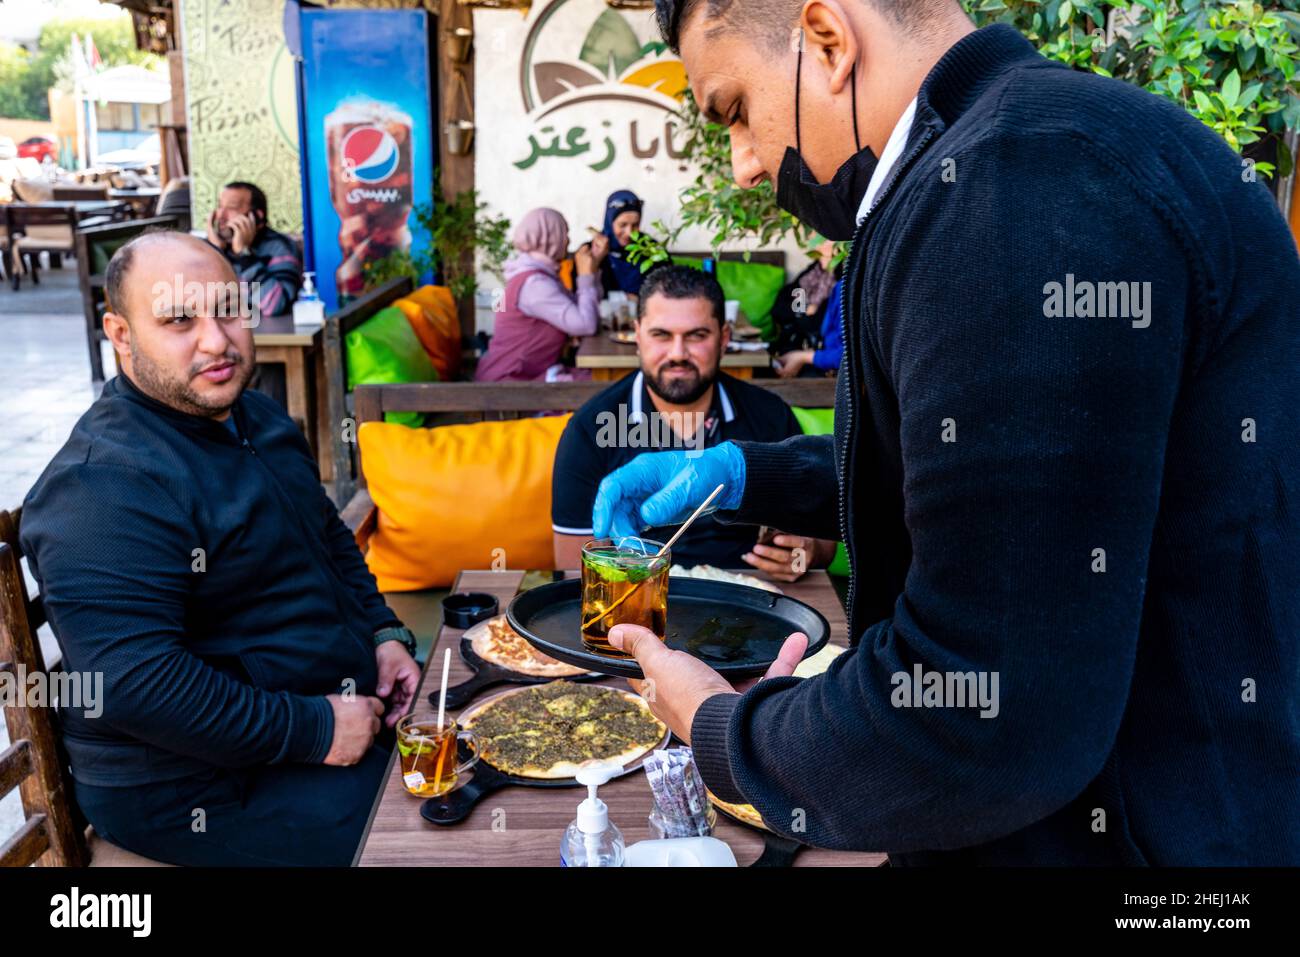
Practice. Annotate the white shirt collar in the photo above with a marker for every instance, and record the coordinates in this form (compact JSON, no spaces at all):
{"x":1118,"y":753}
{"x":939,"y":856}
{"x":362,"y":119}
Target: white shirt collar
{"x":728,"y":410}
{"x":893,"y":150}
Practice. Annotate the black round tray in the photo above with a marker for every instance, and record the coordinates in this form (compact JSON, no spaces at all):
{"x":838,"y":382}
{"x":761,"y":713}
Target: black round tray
{"x":488,"y":675}
{"x":778,"y":850}
{"x":734,"y":629}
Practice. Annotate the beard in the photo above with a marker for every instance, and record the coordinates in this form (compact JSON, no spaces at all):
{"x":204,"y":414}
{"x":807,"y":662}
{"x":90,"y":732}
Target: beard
{"x":680,"y":390}
{"x":156,"y":382}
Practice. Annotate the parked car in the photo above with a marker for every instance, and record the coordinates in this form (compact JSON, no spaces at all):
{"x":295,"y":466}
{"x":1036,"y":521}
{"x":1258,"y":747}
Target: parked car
{"x":38,"y":148}
{"x":7,"y":149}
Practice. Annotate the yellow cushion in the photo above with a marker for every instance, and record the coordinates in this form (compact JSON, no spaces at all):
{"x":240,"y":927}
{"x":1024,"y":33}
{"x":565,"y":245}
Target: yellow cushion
{"x":431,"y":311}
{"x":450,"y":497}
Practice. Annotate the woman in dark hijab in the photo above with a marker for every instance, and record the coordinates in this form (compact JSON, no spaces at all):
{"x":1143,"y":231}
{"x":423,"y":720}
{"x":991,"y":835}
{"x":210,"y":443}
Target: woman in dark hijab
{"x":622,"y":218}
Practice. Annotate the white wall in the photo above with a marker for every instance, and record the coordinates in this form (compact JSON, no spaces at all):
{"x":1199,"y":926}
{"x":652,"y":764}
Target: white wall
{"x":599,"y":118}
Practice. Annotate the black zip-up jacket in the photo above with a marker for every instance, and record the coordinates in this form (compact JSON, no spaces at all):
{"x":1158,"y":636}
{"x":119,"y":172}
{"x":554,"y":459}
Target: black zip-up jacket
{"x":1100,"y":511}
{"x":210,"y":580}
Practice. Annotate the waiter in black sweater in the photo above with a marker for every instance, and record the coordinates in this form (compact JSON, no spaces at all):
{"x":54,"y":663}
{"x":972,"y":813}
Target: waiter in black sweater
{"x":1066,"y":460}
{"x":186,"y":551}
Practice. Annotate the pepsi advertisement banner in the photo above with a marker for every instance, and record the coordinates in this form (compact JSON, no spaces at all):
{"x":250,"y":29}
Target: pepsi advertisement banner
{"x":368,"y":140}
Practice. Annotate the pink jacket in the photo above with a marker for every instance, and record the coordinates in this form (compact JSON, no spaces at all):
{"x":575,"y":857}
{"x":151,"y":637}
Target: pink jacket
{"x":538,"y":317}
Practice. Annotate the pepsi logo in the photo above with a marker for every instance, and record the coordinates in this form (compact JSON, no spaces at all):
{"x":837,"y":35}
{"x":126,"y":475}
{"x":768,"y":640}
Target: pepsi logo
{"x":369,"y":154}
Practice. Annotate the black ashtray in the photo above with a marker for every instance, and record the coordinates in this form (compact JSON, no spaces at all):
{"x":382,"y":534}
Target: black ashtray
{"x":466,"y":608}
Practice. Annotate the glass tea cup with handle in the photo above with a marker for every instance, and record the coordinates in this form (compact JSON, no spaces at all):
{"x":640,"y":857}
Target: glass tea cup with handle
{"x":430,"y":763}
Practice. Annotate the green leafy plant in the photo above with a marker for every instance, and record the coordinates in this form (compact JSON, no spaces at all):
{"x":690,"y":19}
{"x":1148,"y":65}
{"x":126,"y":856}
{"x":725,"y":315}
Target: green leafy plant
{"x":715,"y":203}
{"x":1230,"y":64}
{"x":643,"y":251}
{"x":459,"y":229}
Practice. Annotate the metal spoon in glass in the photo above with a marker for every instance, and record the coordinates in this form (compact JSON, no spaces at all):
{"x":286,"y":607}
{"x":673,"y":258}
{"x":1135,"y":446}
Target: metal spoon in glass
{"x":659,"y":554}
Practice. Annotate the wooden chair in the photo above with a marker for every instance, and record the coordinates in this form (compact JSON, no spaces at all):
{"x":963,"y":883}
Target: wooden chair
{"x":95,"y":247}
{"x":509,"y":400}
{"x":54,"y":832}
{"x":34,"y":229}
{"x":333,"y":339}
{"x":5,"y":266}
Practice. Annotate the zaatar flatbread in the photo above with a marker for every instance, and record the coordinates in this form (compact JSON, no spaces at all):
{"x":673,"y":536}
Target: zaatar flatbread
{"x":496,"y":642}
{"x":546,"y":731}
{"x":742,"y":812}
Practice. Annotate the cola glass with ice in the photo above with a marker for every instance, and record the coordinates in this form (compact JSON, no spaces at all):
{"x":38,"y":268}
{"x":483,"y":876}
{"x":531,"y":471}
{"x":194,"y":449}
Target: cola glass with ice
{"x":369,"y":155}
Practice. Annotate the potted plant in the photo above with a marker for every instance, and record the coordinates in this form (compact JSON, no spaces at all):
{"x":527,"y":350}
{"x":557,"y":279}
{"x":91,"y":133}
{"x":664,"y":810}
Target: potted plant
{"x":460,"y":231}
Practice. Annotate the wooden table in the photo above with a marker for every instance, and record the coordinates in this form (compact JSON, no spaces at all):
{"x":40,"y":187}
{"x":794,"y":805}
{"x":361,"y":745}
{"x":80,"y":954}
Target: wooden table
{"x":142,"y":200}
{"x":298,"y":348}
{"x":530,"y":822}
{"x":609,"y":360}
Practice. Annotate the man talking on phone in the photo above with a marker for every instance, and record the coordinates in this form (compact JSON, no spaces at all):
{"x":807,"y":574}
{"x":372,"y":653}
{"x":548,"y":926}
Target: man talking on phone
{"x":257,"y":253}
{"x":1066,"y":459}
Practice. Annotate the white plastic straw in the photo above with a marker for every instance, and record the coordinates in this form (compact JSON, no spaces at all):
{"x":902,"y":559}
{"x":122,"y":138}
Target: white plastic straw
{"x":442,"y":695}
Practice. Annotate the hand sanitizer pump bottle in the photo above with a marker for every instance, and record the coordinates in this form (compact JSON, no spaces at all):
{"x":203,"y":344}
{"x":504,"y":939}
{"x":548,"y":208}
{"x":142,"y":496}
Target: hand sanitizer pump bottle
{"x":591,"y":840}
{"x":308,"y":310}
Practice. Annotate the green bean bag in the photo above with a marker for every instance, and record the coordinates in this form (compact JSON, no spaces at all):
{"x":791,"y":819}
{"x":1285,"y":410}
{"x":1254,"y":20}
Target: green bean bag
{"x":822,"y":422}
{"x":385,"y":349}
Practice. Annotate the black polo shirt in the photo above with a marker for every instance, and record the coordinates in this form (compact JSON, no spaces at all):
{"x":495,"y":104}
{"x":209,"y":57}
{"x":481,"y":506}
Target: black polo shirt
{"x":620,"y":423}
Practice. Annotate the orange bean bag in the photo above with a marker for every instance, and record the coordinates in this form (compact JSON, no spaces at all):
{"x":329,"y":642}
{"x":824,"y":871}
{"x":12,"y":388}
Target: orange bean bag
{"x":459,"y":496}
{"x":431,"y":312}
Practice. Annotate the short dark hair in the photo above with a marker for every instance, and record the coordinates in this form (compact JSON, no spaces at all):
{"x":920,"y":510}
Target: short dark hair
{"x":682,"y":282}
{"x":770,"y":21}
{"x":257,"y":198}
{"x":119,"y":266}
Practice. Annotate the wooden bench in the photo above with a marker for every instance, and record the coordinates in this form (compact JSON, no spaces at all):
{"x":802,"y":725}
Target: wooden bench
{"x":54,"y":832}
{"x":508,"y":400}
{"x":95,"y":246}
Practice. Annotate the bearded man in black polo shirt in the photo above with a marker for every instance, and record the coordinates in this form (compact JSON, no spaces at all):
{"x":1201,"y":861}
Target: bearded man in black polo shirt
{"x":679,"y":399}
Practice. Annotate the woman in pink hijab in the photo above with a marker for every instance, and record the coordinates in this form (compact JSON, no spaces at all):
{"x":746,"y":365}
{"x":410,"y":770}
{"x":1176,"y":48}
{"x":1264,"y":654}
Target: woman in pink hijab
{"x":538,"y":314}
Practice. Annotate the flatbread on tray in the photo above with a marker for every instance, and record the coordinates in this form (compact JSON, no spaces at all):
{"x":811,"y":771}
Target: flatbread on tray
{"x":547,"y":731}
{"x":743,"y":812}
{"x":809,"y":667}
{"x":496,"y":642}
{"x":709,"y":573}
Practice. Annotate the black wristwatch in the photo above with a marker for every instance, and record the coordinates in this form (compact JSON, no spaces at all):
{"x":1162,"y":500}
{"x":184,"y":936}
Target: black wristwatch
{"x":399,"y":633}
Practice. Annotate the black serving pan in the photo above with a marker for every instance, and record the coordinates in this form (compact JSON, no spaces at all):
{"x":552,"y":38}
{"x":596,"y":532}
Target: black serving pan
{"x":487,"y":675}
{"x":778,"y":850}
{"x":456,"y":805}
{"x":735,"y":629}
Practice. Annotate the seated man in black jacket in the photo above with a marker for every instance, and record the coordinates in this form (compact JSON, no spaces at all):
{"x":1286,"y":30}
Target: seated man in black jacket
{"x":186,"y":551}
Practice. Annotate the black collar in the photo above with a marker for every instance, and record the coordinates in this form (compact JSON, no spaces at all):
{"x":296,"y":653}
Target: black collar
{"x":121,"y":385}
{"x":963,"y":73}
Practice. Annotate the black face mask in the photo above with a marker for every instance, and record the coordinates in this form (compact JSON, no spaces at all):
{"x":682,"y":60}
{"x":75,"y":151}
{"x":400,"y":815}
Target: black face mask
{"x":832,"y":208}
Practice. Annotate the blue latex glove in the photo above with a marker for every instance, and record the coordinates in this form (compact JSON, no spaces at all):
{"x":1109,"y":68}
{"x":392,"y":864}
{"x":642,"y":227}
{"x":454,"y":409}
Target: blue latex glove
{"x":664,"y":488}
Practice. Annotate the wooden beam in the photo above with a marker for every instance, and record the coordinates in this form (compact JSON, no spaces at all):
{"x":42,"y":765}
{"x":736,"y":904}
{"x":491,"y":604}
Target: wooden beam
{"x":372,"y":401}
{"x":27,"y":844}
{"x":15,"y":764}
{"x":46,"y":791}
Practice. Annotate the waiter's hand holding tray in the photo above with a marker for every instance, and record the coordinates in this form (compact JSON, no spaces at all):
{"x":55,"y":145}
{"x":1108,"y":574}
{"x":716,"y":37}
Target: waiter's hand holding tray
{"x":735,"y":629}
